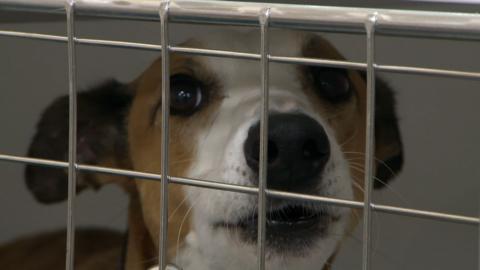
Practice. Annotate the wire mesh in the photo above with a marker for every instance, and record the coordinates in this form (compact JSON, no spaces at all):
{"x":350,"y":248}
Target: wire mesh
{"x":334,"y":19}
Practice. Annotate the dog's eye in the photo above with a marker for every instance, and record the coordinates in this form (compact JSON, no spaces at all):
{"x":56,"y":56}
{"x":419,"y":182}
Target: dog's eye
{"x":332,"y":84}
{"x":185,"y":94}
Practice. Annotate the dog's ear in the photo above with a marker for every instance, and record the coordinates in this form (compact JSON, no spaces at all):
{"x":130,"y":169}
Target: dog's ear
{"x":388,"y":143}
{"x":101,"y":140}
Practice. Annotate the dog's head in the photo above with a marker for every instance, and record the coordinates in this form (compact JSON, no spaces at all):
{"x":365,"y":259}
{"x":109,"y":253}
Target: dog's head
{"x":316,"y":145}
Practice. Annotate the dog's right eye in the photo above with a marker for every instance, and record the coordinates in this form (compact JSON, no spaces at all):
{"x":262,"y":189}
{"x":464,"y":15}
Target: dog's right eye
{"x":186,"y":94}
{"x":332,"y":84}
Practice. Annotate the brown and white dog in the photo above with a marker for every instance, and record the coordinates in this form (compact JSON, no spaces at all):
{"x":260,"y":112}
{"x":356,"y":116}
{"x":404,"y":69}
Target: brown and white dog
{"x":316,"y":145}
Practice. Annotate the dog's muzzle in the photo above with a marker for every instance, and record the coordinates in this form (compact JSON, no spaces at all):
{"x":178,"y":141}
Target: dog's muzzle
{"x":298,"y":149}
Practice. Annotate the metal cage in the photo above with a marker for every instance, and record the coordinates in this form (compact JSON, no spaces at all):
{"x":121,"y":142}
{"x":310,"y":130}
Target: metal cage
{"x":265,"y":16}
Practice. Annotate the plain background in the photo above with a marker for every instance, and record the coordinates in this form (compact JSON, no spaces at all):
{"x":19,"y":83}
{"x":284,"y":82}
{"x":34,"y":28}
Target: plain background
{"x":438,"y":119}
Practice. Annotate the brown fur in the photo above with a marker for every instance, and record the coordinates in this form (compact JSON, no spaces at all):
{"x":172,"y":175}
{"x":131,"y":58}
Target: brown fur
{"x":145,"y":144}
{"x":94,"y":249}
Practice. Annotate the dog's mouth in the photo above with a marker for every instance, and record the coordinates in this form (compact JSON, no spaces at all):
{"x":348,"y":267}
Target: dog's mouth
{"x":285,"y":219}
{"x":289,"y":228}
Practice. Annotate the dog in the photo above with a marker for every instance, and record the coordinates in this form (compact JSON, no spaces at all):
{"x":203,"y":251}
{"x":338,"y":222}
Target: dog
{"x":316,"y":146}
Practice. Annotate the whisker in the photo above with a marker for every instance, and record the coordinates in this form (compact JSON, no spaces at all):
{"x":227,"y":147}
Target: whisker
{"x":400,"y":196}
{"x":360,"y":167}
{"x":375,"y":158}
{"x":358,"y":186}
{"x":180,"y":229}
{"x":177,"y":208}
{"x":355,"y":133}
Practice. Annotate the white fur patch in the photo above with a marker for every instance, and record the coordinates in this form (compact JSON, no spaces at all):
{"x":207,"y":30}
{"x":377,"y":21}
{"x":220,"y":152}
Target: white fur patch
{"x":220,"y":157}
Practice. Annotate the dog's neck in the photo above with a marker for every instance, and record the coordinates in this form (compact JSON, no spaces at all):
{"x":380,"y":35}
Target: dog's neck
{"x":192,"y":257}
{"x":141,"y":251}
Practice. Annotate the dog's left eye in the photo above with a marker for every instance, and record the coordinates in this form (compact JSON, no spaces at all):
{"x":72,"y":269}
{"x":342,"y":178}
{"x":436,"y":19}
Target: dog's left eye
{"x":332,"y":83}
{"x":186,"y":94}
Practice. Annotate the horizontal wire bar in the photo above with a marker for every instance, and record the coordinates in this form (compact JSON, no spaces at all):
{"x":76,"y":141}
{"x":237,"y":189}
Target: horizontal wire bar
{"x":312,"y":198}
{"x":34,"y":161}
{"x":248,"y":190}
{"x":251,"y":56}
{"x":215,"y":53}
{"x":214,"y":185}
{"x":119,"y":44}
{"x":318,"y":62}
{"x":424,"y":214}
{"x":86,"y":41}
{"x":36,"y":36}
{"x":119,"y":172}
{"x":323,"y":18}
{"x":428,"y":71}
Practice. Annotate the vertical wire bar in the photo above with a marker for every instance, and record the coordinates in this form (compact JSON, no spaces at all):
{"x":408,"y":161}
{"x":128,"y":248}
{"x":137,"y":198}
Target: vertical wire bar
{"x":369,"y":142}
{"x":262,"y":183}
{"x":72,"y":135}
{"x":163,"y":12}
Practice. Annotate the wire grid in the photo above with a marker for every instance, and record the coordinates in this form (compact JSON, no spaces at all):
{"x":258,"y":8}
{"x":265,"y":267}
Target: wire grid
{"x":369,"y":21}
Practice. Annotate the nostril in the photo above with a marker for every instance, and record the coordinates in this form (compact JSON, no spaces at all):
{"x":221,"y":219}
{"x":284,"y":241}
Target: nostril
{"x":256,"y":151}
{"x":311,"y":150}
{"x":272,"y":151}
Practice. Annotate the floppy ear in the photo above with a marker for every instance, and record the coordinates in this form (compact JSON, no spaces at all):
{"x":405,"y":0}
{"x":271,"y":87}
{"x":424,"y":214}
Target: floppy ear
{"x":101,"y":140}
{"x":388,"y":143}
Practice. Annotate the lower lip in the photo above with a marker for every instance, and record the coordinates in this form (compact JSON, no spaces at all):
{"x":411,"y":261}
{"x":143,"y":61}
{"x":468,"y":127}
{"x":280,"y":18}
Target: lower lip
{"x":276,"y":227}
{"x":285,"y":236}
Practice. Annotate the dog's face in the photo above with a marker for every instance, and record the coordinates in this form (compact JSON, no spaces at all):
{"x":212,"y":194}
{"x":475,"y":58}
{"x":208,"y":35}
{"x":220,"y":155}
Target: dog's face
{"x":315,"y":146}
{"x":316,"y":137}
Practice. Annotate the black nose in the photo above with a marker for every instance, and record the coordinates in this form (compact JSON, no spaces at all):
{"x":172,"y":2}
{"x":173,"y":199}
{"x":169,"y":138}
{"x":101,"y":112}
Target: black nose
{"x":298,"y":150}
